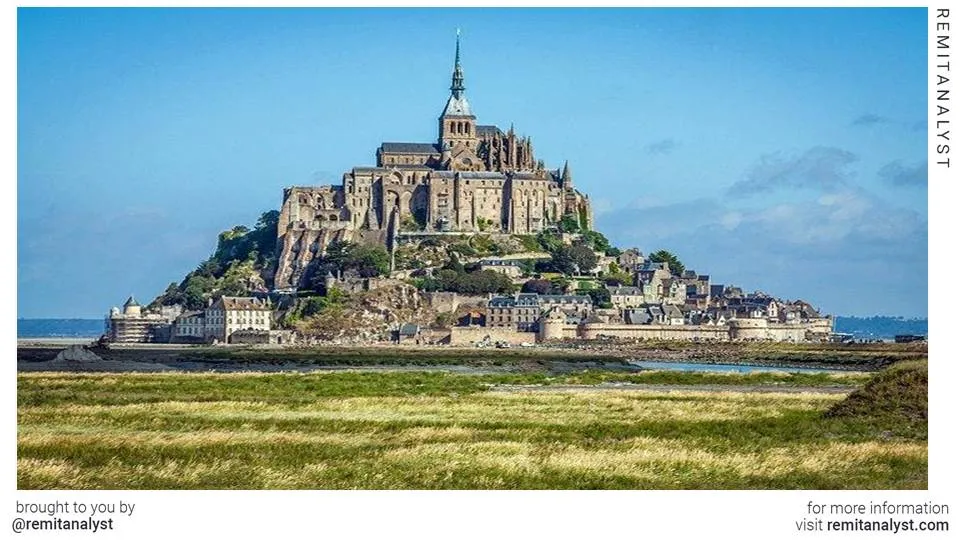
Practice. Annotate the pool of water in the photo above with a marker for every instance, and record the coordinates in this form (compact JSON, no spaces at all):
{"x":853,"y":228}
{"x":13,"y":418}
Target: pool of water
{"x":725,"y":368}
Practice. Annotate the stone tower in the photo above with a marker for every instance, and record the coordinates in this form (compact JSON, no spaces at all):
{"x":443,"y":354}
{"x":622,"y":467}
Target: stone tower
{"x":551,"y":325}
{"x":458,"y":125}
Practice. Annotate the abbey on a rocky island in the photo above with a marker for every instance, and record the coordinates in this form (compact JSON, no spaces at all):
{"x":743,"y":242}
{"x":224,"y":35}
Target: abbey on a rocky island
{"x":473,"y":178}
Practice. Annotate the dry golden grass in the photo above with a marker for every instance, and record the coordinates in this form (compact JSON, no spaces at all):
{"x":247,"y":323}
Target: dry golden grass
{"x":315,"y":432}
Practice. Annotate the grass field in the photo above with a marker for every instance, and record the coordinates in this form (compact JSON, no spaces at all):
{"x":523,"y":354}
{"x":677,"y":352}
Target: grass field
{"x":419,"y":430}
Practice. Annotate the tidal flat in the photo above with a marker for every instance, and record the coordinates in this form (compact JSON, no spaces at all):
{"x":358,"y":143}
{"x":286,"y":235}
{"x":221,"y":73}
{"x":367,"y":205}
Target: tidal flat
{"x":438,"y":430}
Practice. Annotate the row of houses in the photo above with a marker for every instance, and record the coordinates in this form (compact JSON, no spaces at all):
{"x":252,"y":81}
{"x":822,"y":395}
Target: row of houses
{"x":525,"y":312}
{"x":229,"y":319}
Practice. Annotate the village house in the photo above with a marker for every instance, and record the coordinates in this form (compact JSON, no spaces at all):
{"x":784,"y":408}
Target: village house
{"x":630,"y":260}
{"x":521,"y":312}
{"x":249,"y":318}
{"x":509,"y":268}
{"x":190,"y":326}
{"x":625,"y":297}
{"x":231,"y":313}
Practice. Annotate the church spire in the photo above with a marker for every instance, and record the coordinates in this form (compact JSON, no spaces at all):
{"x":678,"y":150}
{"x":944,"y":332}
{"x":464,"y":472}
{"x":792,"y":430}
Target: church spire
{"x":456,"y":85}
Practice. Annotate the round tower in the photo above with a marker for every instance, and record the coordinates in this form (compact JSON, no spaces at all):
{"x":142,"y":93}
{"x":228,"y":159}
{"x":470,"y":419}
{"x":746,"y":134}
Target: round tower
{"x":131,"y":307}
{"x":551,"y":325}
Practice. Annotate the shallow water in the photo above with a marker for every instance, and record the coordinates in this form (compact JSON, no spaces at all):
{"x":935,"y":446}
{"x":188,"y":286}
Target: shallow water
{"x":726,"y":368}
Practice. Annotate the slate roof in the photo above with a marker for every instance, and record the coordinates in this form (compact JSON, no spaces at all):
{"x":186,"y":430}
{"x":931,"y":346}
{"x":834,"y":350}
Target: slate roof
{"x":244,"y":302}
{"x":672,"y":311}
{"x":409,"y":148}
{"x":457,"y":106}
{"x":637,"y":316}
{"x":488,"y":130}
{"x":527,"y":175}
{"x":476,"y":175}
{"x":625,"y":291}
{"x":409,"y":329}
{"x":650,"y":265}
{"x":565,"y":298}
{"x":528,"y":299}
{"x":499,"y":262}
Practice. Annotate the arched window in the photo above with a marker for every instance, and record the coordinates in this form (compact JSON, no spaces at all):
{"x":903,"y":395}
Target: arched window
{"x":453,"y":127}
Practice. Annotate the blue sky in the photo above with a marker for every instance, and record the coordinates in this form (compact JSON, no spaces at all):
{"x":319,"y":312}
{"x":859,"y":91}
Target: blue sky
{"x":777,"y":149}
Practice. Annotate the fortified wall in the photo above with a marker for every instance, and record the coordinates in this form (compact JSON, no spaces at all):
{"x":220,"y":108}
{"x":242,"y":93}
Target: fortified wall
{"x":733,"y":330}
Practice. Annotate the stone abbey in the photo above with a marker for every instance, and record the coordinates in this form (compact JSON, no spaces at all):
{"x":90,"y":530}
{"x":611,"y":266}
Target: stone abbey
{"x":473,"y":178}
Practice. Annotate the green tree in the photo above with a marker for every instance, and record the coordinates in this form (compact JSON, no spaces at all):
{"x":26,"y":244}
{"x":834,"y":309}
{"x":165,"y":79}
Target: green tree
{"x":597,"y":240}
{"x":368,"y":260}
{"x":560,"y":285}
{"x":575,"y":259}
{"x":453,"y":263}
{"x":539,"y":286}
{"x":550,"y":242}
{"x":600,"y":297}
{"x":569,"y":223}
{"x":676,"y":267}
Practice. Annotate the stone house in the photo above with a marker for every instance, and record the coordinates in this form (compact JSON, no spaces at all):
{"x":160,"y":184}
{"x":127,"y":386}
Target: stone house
{"x":626,"y":297}
{"x":630,"y":260}
{"x":190,"y":326}
{"x":579,"y":305}
{"x":231,"y":313}
{"x":509,"y":268}
{"x":520,"y":312}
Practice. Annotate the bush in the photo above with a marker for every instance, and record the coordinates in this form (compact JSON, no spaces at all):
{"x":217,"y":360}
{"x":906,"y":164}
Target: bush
{"x":529,"y":243}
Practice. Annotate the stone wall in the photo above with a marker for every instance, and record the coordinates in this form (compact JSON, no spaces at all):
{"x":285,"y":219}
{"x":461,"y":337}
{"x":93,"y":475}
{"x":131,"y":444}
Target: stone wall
{"x":450,"y":302}
{"x":654,"y":331}
{"x":734,"y":330}
{"x":469,"y":335}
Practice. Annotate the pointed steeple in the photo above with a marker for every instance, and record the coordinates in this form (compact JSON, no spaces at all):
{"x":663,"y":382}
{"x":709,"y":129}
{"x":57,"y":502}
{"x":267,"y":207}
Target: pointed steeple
{"x":457,"y":104}
{"x":565,"y":177}
{"x":456,"y":85}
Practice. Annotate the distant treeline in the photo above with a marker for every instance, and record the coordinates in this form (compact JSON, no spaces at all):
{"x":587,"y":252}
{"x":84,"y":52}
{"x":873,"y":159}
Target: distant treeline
{"x":879,"y":327}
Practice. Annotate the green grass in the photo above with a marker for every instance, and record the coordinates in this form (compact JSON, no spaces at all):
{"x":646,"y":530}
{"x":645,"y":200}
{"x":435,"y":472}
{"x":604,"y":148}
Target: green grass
{"x":896,"y":395}
{"x":408,"y":430}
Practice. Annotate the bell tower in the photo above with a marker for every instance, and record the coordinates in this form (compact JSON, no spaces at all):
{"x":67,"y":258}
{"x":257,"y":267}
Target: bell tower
{"x":458,"y":125}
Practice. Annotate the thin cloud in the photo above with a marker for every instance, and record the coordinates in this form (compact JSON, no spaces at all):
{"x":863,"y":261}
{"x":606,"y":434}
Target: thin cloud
{"x":897,"y":174}
{"x":661,"y":147}
{"x":869,"y":119}
{"x":821,"y":167}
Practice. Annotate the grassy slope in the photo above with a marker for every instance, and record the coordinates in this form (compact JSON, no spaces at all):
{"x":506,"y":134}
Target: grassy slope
{"x":437,"y":430}
{"x":896,"y":396}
